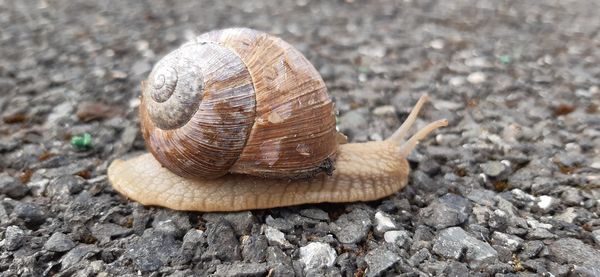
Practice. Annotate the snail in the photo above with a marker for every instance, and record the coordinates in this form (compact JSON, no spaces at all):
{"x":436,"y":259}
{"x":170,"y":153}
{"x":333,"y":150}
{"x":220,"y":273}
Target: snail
{"x":239,"y":119}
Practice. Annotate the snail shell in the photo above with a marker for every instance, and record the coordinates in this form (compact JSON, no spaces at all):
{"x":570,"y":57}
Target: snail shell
{"x":238,"y":101}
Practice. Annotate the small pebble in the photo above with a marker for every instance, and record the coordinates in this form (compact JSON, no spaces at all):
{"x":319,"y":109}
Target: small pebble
{"x":437,"y":44}
{"x":379,"y":260}
{"x":546,"y":203}
{"x":79,"y":253}
{"x":476,"y":78}
{"x":254,"y":248}
{"x":31,"y":213}
{"x":315,"y":213}
{"x":239,"y":269}
{"x":383,"y":222}
{"x":222,"y":242}
{"x":451,"y":242}
{"x":568,"y":215}
{"x":12,"y":187}
{"x":540,"y":233}
{"x":421,"y":255}
{"x":493,"y":168}
{"x":240,"y":221}
{"x":574,"y":251}
{"x":384,"y":110}
{"x":596,"y":236}
{"x":531,"y":249}
{"x":511,"y":242}
{"x":59,"y":242}
{"x":400,"y":238}
{"x":276,"y":237}
{"x":448,"y":210}
{"x":317,"y":255}
{"x":13,"y":238}
{"x":352,"y":227}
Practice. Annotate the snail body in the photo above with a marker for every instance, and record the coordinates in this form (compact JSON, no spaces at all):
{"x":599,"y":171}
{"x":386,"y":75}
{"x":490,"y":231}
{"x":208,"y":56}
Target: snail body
{"x":238,"y":120}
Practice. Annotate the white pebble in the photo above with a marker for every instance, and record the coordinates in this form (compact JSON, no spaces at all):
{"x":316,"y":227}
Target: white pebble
{"x":457,"y":81}
{"x":436,"y":44}
{"x":384,"y":110}
{"x":276,"y":237}
{"x":545,"y":202}
{"x":383,"y":222}
{"x":476,"y":78}
{"x":317,"y":255}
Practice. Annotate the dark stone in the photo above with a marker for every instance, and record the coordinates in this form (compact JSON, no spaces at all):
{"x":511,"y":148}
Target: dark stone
{"x":352,"y":227}
{"x":421,"y":255}
{"x":240,"y":221}
{"x":281,"y":270}
{"x":537,"y":265}
{"x":191,"y":245}
{"x":75,"y":255}
{"x":448,"y":210}
{"x":152,"y":250}
{"x":482,"y":196}
{"x":379,"y":261}
{"x":63,"y":187}
{"x":279,"y":223}
{"x":573,"y":251}
{"x":105,"y":232}
{"x":222,"y":243}
{"x":454,"y":242}
{"x":315,"y":213}
{"x":171,"y":222}
{"x":31,"y":213}
{"x":276,"y":256}
{"x":254,"y":248}
{"x":540,"y":233}
{"x":498,"y":220}
{"x":511,"y":242}
{"x":239,"y":269}
{"x":59,"y":242}
{"x":13,"y":238}
{"x":456,"y":269}
{"x":423,"y":233}
{"x":531,"y":249}
{"x":347,"y":264}
{"x":141,"y":217}
{"x":12,"y":187}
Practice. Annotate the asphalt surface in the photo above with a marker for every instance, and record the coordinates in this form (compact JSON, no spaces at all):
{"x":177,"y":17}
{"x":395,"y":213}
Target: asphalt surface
{"x":509,"y":188}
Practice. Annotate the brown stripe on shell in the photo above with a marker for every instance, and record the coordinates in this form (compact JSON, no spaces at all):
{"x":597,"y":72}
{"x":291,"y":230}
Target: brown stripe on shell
{"x":294,"y":131}
{"x":210,"y":141}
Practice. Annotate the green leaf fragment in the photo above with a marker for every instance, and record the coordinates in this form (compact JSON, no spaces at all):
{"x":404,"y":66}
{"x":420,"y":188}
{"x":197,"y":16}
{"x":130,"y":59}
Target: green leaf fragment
{"x":504,"y":59}
{"x":82,"y":142}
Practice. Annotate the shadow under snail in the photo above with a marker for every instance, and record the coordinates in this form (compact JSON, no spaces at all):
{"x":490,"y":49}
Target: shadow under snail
{"x":239,"y":119}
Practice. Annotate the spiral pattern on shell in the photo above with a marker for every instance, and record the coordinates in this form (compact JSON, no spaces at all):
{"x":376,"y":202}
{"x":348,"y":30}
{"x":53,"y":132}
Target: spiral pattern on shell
{"x":239,"y":101}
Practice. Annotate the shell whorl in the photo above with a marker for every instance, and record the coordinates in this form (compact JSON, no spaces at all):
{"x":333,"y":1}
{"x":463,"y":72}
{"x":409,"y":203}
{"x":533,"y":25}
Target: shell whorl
{"x":175,"y":88}
{"x":197,"y":109}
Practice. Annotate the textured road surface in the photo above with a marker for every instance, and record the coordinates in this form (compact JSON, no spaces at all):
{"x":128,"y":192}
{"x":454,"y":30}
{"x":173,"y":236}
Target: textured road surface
{"x":511,"y":187}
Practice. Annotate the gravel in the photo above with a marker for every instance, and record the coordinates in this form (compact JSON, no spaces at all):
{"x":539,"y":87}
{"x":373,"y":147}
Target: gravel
{"x":448,"y":210}
{"x":352,"y":227}
{"x":276,"y":237}
{"x":317,"y":255}
{"x":379,"y":260}
{"x":510,"y":187}
{"x":454,"y":242}
{"x":13,"y":238}
{"x":59,"y":242}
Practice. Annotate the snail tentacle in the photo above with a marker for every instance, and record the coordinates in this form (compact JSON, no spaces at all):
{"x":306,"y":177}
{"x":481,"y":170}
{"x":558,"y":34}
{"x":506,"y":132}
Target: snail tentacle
{"x":400,"y":133}
{"x":405,"y":149}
